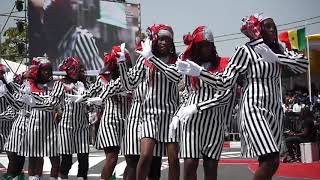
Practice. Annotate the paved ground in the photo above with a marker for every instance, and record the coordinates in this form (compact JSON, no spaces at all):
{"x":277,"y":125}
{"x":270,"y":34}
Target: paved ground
{"x":96,"y":161}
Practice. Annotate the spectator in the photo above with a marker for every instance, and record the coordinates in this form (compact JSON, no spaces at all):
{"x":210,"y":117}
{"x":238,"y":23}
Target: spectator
{"x":307,"y":135}
{"x":296,"y":107}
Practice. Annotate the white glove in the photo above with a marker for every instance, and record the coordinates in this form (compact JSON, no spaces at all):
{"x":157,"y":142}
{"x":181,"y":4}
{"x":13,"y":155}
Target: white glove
{"x":26,"y":88}
{"x":74,"y":98}
{"x":69,"y":87}
{"x":95,"y":101}
{"x":267,"y":54}
{"x":3,"y":89}
{"x":122,"y":56}
{"x":80,"y":88}
{"x":186,"y":112}
{"x":24,"y":113}
{"x":8,"y":76}
{"x":182,"y":65}
{"x":146,"y":49}
{"x":189,"y":68}
{"x":173,"y":126}
{"x":28,"y":99}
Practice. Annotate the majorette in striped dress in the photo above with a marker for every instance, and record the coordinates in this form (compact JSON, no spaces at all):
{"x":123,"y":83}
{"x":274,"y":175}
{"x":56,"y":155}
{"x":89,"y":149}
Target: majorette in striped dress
{"x":73,"y":127}
{"x":161,"y":98}
{"x":131,"y":141}
{"x":260,"y":107}
{"x":7,"y":116}
{"x":13,"y":143}
{"x":203,"y":133}
{"x":40,"y":138}
{"x":116,"y":107}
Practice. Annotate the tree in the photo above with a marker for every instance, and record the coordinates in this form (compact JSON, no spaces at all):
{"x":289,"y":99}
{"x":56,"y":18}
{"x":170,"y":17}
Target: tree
{"x":9,"y":49}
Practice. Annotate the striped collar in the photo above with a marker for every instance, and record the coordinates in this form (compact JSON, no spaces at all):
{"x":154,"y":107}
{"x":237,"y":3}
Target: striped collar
{"x":255,"y":42}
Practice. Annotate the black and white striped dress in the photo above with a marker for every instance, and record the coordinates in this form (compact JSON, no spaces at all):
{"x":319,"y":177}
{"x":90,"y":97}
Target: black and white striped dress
{"x":13,"y":143}
{"x":112,"y":124}
{"x":19,"y":126}
{"x":40,"y":138}
{"x":260,"y":107}
{"x":7,"y":116}
{"x":131,"y":137}
{"x":161,"y":98}
{"x":73,"y":128}
{"x":203,"y":134}
{"x":131,"y":140}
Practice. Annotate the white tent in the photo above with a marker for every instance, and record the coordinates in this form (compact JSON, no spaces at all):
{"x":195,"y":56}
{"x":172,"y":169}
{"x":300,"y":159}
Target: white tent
{"x":14,"y":66}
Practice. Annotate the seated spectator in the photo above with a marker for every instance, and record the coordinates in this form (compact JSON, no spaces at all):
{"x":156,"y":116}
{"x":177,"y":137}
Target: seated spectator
{"x":296,"y":107}
{"x":308,"y":133}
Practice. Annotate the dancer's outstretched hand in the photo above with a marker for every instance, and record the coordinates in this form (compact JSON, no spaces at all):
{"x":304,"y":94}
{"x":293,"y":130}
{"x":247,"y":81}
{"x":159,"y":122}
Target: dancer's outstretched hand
{"x":189,"y":68}
{"x":146,"y":49}
{"x":267,"y":54}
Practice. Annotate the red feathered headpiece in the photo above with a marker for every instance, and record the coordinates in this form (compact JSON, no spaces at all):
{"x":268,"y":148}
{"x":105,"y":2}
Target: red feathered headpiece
{"x":251,"y":26}
{"x":110,"y":60}
{"x":201,"y":33}
{"x":154,"y":32}
{"x":37,"y":64}
{"x":72,"y":66}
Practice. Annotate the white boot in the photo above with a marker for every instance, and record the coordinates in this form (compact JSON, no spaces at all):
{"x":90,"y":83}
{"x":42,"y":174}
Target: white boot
{"x":36,"y":177}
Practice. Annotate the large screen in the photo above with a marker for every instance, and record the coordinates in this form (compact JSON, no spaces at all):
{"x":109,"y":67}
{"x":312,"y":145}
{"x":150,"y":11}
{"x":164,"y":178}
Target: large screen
{"x":82,"y":28}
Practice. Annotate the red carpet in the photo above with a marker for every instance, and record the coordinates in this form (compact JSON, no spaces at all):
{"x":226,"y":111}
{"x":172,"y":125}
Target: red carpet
{"x":295,"y":170}
{"x":288,"y":170}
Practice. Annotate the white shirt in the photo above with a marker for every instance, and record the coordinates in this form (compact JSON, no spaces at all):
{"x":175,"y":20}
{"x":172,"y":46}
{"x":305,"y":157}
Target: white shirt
{"x":296,"y":108}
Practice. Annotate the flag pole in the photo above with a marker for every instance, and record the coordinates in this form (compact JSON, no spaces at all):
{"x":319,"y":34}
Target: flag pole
{"x":309,"y":65}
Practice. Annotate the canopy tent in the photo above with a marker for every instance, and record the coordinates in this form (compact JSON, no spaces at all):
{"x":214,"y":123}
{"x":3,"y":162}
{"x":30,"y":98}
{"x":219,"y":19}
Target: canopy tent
{"x":14,"y":66}
{"x":314,"y":42}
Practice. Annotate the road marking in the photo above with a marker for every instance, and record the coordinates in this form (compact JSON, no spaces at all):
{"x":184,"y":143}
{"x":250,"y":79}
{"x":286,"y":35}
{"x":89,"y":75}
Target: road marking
{"x":4,"y":161}
{"x":96,"y":158}
{"x":119,"y":169}
{"x":92,"y":162}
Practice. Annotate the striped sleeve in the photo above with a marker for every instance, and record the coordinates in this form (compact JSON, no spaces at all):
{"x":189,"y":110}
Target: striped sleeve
{"x":15,"y":86}
{"x":8,"y":115}
{"x":170,"y":71}
{"x":229,"y":109}
{"x":13,"y":100}
{"x":219,"y":99}
{"x":132,"y":79}
{"x":225,"y":80}
{"x":95,"y":89}
{"x":112,"y":88}
{"x":296,"y":62}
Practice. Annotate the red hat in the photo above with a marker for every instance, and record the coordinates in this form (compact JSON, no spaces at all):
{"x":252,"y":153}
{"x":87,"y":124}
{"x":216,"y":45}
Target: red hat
{"x":251,"y":26}
{"x":110,"y":60}
{"x":71,"y":66}
{"x":37,"y":64}
{"x":201,"y":33}
{"x":158,"y":30}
